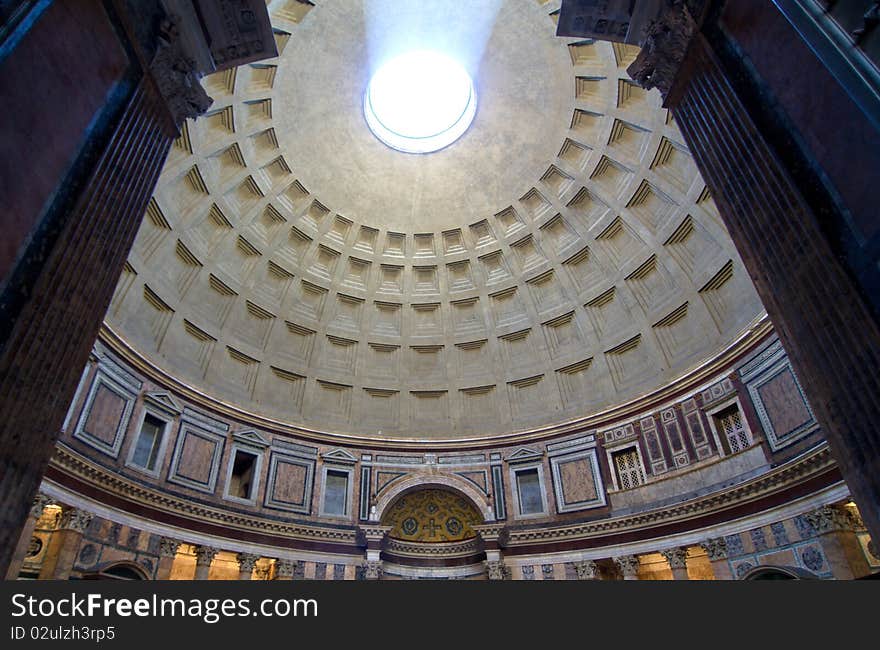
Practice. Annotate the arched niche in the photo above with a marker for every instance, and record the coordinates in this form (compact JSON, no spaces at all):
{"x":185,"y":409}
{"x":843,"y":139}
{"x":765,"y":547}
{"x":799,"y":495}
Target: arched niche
{"x":423,"y":481}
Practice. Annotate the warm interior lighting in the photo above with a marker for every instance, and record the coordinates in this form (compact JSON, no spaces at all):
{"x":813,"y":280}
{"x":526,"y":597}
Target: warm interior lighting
{"x":420,"y":102}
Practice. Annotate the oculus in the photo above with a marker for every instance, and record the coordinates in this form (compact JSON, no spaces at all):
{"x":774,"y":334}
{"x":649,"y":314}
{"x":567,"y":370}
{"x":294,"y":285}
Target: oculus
{"x":420,"y":102}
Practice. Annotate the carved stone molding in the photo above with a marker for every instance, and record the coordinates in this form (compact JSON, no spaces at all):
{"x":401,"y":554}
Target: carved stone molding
{"x":628,"y":565}
{"x":496,"y":570}
{"x":373,"y":570}
{"x":677,"y":557}
{"x":205,"y":555}
{"x":832,"y":519}
{"x":40,"y":503}
{"x":716,"y":548}
{"x":168,"y":547}
{"x":247,"y":561}
{"x":75,"y":519}
{"x":587,"y":570}
{"x":176,"y":76}
{"x":666,"y":42}
{"x":285,"y":568}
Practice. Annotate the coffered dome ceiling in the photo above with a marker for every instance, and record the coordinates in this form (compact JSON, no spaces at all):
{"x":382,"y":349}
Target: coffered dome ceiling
{"x":560,"y":258}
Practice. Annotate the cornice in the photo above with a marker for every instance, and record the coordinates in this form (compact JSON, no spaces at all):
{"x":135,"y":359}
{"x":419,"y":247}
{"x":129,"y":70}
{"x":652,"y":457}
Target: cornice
{"x":689,"y":381}
{"x":811,"y":465}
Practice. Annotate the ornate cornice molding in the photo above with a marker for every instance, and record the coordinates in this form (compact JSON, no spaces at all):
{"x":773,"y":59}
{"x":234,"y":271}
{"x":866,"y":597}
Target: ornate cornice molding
{"x":433,"y":549}
{"x":698,"y":376}
{"x":799,"y":470}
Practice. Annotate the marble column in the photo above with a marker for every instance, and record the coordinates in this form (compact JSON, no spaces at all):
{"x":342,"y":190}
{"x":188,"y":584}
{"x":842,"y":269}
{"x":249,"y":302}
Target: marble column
{"x":629,"y":566}
{"x":64,"y":545}
{"x":246,"y":563}
{"x":167,"y":552}
{"x":677,"y":559}
{"x":716,"y":549}
{"x":24,"y":542}
{"x":492,"y":535}
{"x":791,"y":193}
{"x":835,"y":527}
{"x":587,"y":570}
{"x":204,"y":557}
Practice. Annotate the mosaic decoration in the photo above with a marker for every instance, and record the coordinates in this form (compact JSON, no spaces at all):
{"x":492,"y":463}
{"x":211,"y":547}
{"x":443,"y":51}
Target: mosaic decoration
{"x":432,"y":515}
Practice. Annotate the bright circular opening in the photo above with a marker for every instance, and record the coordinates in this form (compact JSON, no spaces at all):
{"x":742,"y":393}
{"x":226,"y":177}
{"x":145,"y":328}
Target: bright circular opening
{"x":420,"y":102}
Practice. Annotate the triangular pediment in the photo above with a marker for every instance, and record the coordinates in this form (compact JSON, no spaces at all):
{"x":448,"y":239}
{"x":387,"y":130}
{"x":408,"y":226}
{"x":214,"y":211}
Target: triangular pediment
{"x":250,"y":437}
{"x":523,"y":454}
{"x":163,"y":401}
{"x":339,"y":456}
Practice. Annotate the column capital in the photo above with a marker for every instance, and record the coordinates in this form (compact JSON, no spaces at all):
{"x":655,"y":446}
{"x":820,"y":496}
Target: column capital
{"x":289,"y":568}
{"x":372,"y":569}
{"x":40,"y":502}
{"x":677,"y":557}
{"x":586,"y":569}
{"x":168,"y":547}
{"x":75,"y":519}
{"x":663,"y":48}
{"x":176,"y":75}
{"x":205,"y":555}
{"x":628,"y":565}
{"x":497,"y":570}
{"x":716,"y":548}
{"x":832,"y":518}
{"x":246,"y":561}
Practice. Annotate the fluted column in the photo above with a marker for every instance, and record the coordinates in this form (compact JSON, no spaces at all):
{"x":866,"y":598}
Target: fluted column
{"x":716,"y":549}
{"x":677,"y":559}
{"x":167,"y":552}
{"x":492,"y":536}
{"x":835,"y":527}
{"x":587,"y":570}
{"x":246,"y":563}
{"x":64,"y":544}
{"x":24,"y":542}
{"x":629,"y":566}
{"x":204,"y":557}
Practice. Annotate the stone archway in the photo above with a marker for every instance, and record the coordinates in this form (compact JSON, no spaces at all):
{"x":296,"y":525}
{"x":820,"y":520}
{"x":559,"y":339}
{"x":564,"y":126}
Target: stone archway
{"x":770,"y":572}
{"x":424,"y":481}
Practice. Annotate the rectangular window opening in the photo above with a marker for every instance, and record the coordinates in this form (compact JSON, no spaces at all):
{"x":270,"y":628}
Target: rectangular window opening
{"x":731,"y":428}
{"x":628,"y":467}
{"x":146,"y":451}
{"x":241,"y":481}
{"x":528,"y":484}
{"x":336,"y":493}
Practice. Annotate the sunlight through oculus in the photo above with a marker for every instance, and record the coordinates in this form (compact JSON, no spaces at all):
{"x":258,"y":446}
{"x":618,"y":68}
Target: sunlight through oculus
{"x":420,"y":102}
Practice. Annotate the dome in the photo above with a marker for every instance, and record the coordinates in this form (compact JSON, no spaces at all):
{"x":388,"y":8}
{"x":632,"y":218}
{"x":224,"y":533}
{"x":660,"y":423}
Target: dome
{"x":562,"y":258}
